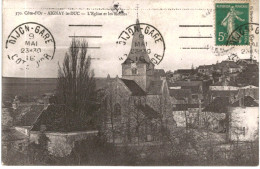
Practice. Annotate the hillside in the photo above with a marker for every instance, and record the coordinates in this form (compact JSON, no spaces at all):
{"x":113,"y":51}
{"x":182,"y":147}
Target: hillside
{"x":30,"y":87}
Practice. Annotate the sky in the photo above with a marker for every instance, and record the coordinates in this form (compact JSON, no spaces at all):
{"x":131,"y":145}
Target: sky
{"x":166,"y":16}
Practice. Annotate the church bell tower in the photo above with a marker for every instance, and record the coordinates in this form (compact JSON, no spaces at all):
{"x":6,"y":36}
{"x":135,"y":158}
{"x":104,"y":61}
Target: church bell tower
{"x":138,"y":66}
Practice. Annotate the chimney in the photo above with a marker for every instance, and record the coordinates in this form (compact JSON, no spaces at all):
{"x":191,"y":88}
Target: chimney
{"x":242,"y":99}
{"x":241,"y":102}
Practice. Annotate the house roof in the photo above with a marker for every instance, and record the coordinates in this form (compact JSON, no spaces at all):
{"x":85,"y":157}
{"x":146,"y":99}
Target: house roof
{"x":206,"y":66}
{"x":247,"y":91}
{"x":218,"y":105}
{"x":223,"y":93}
{"x":249,"y":60}
{"x":30,"y":116}
{"x":59,"y":118}
{"x":155,"y":87}
{"x":185,"y":83}
{"x":100,"y":82}
{"x":248,"y":102}
{"x":159,"y":72}
{"x":135,"y":89}
{"x":180,"y":94}
{"x":184,"y":107}
{"x":193,"y":106}
{"x":185,"y":71}
{"x":180,"y":107}
{"x":249,"y":87}
{"x":227,"y":63}
{"x":148,"y":111}
{"x":224,"y":83}
{"x":12,"y":135}
{"x":194,"y":86}
{"x":233,"y":66}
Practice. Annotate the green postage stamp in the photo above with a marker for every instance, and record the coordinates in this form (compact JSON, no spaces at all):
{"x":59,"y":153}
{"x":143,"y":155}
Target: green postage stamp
{"x":232,"y":23}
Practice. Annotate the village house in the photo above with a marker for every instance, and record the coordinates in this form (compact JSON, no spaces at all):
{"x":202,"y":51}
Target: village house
{"x":62,"y":128}
{"x":224,"y":83}
{"x":244,"y":63}
{"x":185,"y":111}
{"x":206,"y":69}
{"x":249,"y":61}
{"x":138,"y":105}
{"x":214,"y":115}
{"x":196,"y":88}
{"x":186,"y":115}
{"x":185,"y":73}
{"x":172,"y":77}
{"x":31,"y":117}
{"x":244,"y":119}
{"x":228,"y":67}
{"x":180,"y":96}
{"x":231,"y":94}
{"x":249,"y":90}
{"x":233,"y":111}
{"x":237,"y":117}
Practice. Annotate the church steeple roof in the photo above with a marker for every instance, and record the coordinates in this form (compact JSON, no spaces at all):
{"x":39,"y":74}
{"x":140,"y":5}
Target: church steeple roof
{"x":138,"y":53}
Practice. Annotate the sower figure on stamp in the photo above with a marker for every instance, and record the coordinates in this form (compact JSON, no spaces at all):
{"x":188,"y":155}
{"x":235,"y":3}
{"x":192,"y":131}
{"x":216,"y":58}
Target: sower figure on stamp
{"x":229,"y":20}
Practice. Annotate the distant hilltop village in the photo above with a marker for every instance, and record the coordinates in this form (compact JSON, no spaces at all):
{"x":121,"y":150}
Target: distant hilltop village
{"x":146,"y":105}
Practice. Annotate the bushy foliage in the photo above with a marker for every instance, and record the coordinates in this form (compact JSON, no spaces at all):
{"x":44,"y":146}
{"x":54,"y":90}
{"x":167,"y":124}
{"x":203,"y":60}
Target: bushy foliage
{"x":76,"y":83}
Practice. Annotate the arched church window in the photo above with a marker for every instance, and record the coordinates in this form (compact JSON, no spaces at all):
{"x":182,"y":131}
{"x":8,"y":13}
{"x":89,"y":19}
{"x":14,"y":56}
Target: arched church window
{"x":117,"y":109}
{"x":134,"y":71}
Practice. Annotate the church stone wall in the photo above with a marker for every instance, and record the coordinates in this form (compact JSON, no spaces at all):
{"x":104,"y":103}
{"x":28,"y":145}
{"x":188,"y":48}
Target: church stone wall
{"x":140,"y":78}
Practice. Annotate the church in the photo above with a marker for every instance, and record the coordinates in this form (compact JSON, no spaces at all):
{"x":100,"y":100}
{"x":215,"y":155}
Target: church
{"x":138,"y":105}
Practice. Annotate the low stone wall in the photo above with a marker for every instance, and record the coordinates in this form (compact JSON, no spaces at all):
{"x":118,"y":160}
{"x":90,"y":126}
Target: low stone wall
{"x":23,"y":129}
{"x":180,"y":119}
{"x":213,"y":119}
{"x":61,"y":144}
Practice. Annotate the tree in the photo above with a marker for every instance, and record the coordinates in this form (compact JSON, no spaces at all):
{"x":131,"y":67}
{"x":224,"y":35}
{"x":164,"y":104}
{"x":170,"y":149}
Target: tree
{"x":76,"y":83}
{"x":249,"y":76}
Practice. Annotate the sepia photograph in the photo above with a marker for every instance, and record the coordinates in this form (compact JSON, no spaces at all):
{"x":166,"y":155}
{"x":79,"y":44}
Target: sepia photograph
{"x":130,"y":83}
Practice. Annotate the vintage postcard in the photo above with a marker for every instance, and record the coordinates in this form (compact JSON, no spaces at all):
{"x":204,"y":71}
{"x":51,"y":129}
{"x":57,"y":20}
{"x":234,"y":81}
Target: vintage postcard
{"x":130,"y":83}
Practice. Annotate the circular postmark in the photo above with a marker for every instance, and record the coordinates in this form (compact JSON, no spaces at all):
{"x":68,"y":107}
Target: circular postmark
{"x":242,"y":33}
{"x":141,"y":38}
{"x":30,"y":44}
{"x":235,"y":38}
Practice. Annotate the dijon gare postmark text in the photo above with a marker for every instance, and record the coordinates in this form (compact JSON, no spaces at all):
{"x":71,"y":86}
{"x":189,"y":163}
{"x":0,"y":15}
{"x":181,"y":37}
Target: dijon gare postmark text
{"x":30,"y":44}
{"x":141,"y":38}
